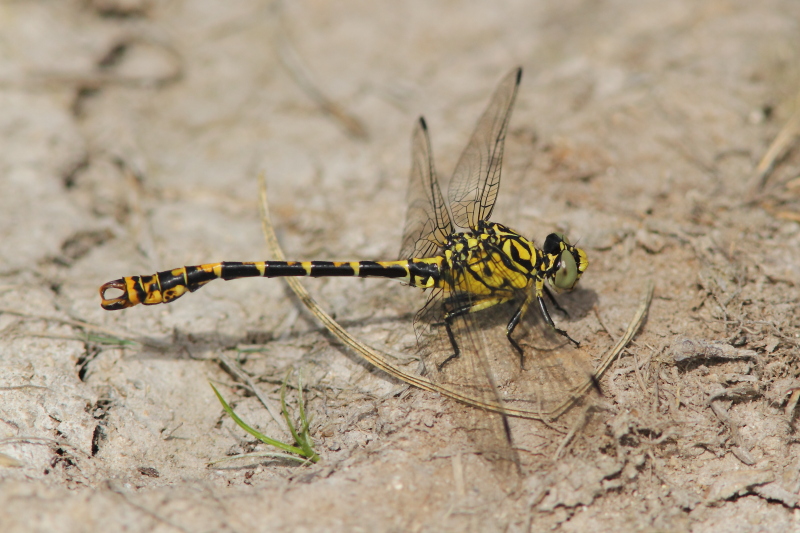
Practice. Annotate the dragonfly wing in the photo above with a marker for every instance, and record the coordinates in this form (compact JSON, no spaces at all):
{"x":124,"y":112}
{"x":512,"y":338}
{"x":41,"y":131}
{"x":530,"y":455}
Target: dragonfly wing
{"x":476,"y":179}
{"x":555,"y":375}
{"x":427,"y":220}
{"x":471,"y":377}
{"x":546,"y":377}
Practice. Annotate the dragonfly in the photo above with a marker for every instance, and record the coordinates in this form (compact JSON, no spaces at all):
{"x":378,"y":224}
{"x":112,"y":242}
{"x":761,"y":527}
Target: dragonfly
{"x":476,"y":332}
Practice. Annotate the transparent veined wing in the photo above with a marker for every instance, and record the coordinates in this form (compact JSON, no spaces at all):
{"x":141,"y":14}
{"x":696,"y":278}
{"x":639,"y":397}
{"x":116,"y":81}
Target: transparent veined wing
{"x":427,"y":220}
{"x":476,"y":179}
{"x":547,"y":375}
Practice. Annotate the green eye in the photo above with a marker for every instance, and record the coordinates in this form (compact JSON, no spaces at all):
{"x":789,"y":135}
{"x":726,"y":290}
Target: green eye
{"x":567,"y":273}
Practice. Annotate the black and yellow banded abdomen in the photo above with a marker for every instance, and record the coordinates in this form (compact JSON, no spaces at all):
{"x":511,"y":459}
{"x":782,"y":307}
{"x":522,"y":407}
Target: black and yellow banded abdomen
{"x":164,"y":287}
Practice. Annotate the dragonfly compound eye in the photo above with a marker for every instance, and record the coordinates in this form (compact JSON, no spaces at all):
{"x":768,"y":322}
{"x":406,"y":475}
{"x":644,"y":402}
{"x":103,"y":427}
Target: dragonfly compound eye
{"x":567,"y":273}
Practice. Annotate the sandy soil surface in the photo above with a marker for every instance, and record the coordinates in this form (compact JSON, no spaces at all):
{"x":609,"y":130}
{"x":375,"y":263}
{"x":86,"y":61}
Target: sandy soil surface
{"x":133,"y":132}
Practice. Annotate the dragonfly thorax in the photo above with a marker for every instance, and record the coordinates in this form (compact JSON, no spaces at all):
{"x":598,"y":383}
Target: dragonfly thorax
{"x":493,"y":259}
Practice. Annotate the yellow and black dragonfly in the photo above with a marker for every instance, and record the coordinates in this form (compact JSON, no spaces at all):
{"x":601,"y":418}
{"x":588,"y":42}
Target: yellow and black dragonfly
{"x":478,"y":335}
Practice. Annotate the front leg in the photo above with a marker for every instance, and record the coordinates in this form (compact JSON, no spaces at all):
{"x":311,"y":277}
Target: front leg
{"x":549,"y":320}
{"x":554,"y":301}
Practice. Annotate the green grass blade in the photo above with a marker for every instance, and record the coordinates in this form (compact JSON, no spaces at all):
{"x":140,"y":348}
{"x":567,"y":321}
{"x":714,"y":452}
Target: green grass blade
{"x":303,"y":452}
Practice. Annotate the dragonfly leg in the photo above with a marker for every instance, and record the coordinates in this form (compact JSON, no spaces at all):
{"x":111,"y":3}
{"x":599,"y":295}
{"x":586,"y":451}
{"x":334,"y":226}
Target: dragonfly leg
{"x":461,"y":306}
{"x":456,"y":351}
{"x":512,"y":324}
{"x":554,"y":301}
{"x":549,"y":320}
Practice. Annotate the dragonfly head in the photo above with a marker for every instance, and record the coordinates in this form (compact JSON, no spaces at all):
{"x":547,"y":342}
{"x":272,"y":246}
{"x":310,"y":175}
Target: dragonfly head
{"x":566,"y":262}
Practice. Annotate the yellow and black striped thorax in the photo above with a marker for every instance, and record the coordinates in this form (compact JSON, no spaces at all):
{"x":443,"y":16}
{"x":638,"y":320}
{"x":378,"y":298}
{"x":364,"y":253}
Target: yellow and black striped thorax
{"x":496,"y":259}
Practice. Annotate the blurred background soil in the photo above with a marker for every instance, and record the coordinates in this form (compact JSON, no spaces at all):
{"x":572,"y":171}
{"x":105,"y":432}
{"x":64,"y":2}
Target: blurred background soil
{"x":133,"y":132}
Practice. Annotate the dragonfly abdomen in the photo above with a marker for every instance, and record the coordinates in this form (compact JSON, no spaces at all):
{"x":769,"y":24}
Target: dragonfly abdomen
{"x":169,"y":285}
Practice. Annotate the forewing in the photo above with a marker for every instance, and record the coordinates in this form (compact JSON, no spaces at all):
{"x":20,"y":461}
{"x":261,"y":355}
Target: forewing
{"x":427,"y":220}
{"x":476,"y":179}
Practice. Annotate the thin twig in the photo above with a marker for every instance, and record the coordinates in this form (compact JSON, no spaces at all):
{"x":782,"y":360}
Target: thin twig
{"x":779,"y":147}
{"x":243,"y":376}
{"x":304,"y":79}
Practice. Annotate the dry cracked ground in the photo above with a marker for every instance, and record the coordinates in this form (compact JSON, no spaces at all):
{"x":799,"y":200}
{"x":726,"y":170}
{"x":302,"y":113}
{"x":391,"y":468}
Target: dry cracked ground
{"x":658,"y":134}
